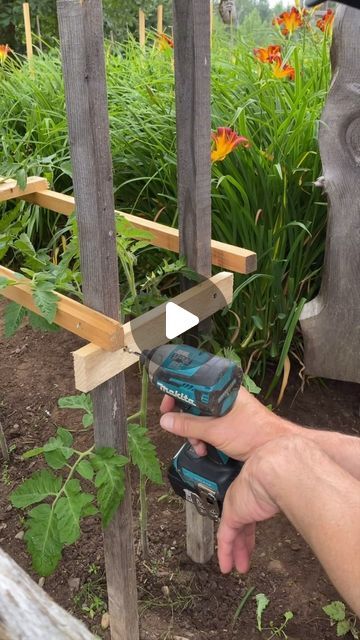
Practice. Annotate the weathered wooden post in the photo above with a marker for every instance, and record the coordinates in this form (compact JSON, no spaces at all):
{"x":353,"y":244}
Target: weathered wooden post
{"x":331,"y":322}
{"x":193,"y":130}
{"x":82,"y":50}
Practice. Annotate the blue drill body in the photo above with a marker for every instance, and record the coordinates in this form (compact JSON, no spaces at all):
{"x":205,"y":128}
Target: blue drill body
{"x":202,"y":384}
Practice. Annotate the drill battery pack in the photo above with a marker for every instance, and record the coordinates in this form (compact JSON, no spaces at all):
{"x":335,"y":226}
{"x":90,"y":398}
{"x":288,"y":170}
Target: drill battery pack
{"x":202,"y":480}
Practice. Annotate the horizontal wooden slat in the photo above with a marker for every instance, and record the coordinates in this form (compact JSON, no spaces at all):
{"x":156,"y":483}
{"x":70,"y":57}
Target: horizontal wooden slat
{"x":71,"y":315}
{"x":223,"y":255}
{"x":93,"y":366}
{"x":9,"y":188}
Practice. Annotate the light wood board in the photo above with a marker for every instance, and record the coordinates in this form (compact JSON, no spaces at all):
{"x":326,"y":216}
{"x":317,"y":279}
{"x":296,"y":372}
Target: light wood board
{"x":223,"y":255}
{"x":9,"y":188}
{"x":85,"y":322}
{"x":93,"y":365}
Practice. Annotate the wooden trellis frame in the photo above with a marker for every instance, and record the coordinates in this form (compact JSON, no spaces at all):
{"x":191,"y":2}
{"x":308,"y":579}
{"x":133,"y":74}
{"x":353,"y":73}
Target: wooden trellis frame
{"x":81,"y":39}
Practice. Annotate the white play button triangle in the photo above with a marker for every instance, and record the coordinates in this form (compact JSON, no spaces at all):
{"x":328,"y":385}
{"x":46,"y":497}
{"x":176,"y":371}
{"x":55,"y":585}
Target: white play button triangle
{"x":178,"y":320}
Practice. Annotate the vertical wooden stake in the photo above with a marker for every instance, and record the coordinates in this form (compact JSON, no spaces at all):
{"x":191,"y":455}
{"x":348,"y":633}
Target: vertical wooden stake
{"x":160,"y":13}
{"x":193,"y":129}
{"x":82,"y":50}
{"x":39,"y":32}
{"x":142,"y":29}
{"x":211,"y":20}
{"x":28,"y":38}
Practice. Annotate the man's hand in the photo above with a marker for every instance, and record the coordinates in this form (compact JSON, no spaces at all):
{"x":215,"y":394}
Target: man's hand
{"x":239,"y":433}
{"x":246,"y":503}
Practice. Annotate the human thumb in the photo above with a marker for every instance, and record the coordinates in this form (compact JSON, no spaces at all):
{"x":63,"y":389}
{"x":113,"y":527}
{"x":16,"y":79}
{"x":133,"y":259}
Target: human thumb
{"x":187,"y":425}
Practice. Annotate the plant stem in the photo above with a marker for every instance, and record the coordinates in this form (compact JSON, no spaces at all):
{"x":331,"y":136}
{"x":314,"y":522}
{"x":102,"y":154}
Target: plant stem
{"x":82,"y":454}
{"x":135,"y":416}
{"x":143,"y":479}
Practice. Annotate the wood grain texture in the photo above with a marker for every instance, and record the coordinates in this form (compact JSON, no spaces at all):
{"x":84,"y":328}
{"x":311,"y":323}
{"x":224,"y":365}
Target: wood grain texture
{"x":28,"y":35}
{"x":142,"y":29}
{"x":9,"y":188}
{"x":191,"y":19}
{"x":223,"y":255}
{"x":28,"y":613}
{"x":93,"y":366}
{"x":159,"y":18}
{"x":331,"y":322}
{"x":87,"y":323}
{"x":82,"y":50}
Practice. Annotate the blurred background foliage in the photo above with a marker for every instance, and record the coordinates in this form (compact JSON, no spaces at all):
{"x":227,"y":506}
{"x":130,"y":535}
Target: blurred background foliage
{"x":120,"y":17}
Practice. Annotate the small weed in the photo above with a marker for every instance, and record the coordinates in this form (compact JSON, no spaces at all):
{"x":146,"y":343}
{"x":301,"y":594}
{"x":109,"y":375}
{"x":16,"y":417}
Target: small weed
{"x":93,"y":569}
{"x":344,"y":620}
{"x":5,"y":475}
{"x":90,"y":598}
{"x":276,"y":631}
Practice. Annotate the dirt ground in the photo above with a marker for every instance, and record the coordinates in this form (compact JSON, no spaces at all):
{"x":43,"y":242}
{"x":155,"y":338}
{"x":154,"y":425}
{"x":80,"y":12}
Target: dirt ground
{"x":176,"y":597}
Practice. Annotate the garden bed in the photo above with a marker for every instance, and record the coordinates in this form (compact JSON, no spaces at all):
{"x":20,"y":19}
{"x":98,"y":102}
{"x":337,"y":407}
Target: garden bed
{"x":176,"y":596}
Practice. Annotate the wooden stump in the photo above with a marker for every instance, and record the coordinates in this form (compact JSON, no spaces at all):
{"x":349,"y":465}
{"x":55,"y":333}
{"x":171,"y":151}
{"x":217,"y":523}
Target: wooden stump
{"x":331,"y":322}
{"x":28,"y":613}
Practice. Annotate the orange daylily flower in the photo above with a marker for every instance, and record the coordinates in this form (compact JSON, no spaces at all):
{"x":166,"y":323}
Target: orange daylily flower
{"x":226,"y":140}
{"x":281,"y":70}
{"x":326,"y":22}
{"x":289,"y":21}
{"x":165,"y":41}
{"x":4,"y":52}
{"x":268,"y":54}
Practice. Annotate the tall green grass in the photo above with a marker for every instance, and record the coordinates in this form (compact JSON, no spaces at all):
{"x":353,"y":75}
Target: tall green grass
{"x":263,"y":197}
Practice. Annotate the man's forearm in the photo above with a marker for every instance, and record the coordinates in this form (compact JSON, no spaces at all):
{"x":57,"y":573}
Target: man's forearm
{"x":323,"y":503}
{"x":341,"y":448}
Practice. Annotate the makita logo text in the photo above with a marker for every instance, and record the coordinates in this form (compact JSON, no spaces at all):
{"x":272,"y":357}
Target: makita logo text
{"x":176,"y":394}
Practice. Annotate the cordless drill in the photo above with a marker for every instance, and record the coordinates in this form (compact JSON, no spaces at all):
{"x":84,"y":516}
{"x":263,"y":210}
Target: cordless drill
{"x":206,"y":385}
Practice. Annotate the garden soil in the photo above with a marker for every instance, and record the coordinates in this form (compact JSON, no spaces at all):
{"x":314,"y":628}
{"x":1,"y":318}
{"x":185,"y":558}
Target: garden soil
{"x":177,"y":599}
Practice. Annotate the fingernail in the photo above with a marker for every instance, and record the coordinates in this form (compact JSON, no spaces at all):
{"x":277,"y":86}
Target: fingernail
{"x":167,"y":422}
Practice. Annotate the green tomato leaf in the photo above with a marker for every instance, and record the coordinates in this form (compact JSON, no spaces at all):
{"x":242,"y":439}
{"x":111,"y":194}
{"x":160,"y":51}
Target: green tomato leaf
{"x":38,"y":323}
{"x":261,"y":603}
{"x":47,"y":302}
{"x":56,"y":452}
{"x":21,"y":178}
{"x":335,"y":610}
{"x":82,"y":401}
{"x":35,"y":489}
{"x":342,"y":628}
{"x":32,"y":453}
{"x":250,"y":385}
{"x":68,"y":511}
{"x":85,"y":469}
{"x":89,"y":510}
{"x":55,"y":459}
{"x":143,"y":453}
{"x":25,"y":245}
{"x":43,"y":540}
{"x":6,"y":282}
{"x":13,"y":316}
{"x":87,"y":420}
{"x":109,"y":481}
{"x":65,"y":436}
{"x":288,"y":615}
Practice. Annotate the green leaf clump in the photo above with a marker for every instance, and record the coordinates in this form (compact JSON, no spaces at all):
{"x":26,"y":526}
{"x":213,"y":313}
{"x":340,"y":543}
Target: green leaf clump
{"x":56,"y":522}
{"x":143,"y":453}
